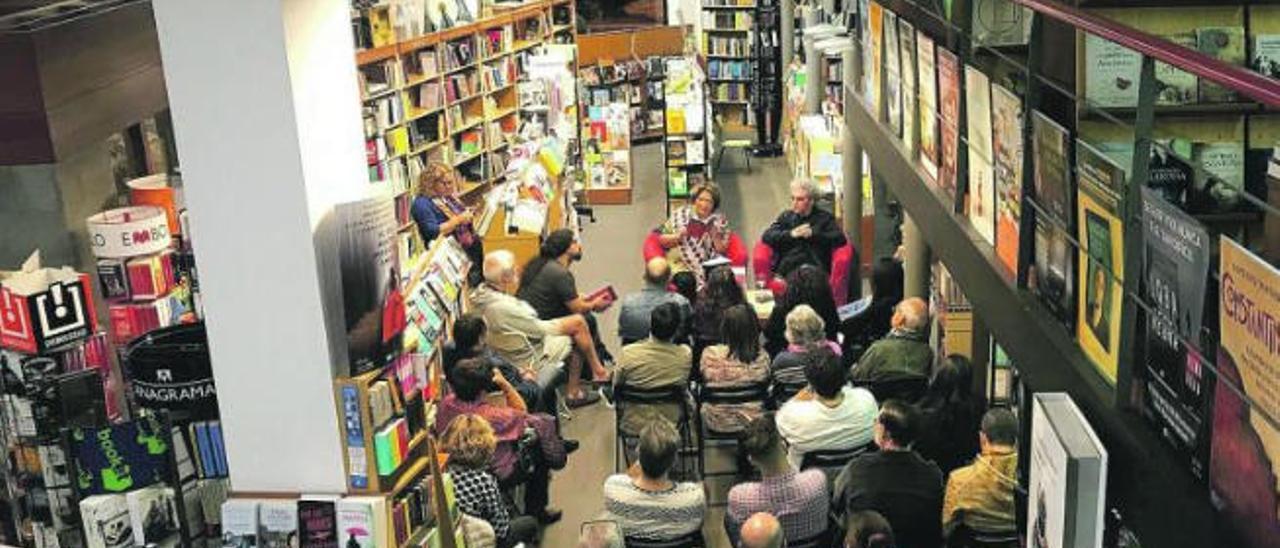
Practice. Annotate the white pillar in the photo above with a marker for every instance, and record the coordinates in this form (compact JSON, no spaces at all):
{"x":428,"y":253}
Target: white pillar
{"x":266,"y":118}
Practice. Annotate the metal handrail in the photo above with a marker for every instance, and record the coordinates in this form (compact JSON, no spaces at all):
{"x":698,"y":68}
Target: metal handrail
{"x":1242,"y":80}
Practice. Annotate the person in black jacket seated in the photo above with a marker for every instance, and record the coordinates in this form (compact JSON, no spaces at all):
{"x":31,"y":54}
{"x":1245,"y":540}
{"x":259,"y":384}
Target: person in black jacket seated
{"x":951,"y":415}
{"x":803,"y":234}
{"x":805,"y":285}
{"x":895,"y":481}
{"x":468,"y":342}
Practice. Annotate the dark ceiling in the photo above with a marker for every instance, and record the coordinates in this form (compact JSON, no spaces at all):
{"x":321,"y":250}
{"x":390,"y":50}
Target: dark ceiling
{"x":26,"y":15}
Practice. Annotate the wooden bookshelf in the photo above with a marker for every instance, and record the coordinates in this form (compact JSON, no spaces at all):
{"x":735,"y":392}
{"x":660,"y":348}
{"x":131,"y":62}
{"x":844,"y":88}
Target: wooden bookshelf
{"x":474,"y":63}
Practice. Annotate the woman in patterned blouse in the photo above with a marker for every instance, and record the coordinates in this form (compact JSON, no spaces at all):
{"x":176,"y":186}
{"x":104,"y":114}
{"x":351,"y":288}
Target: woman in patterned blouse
{"x":737,"y":362}
{"x":470,"y":442}
{"x":695,"y":233}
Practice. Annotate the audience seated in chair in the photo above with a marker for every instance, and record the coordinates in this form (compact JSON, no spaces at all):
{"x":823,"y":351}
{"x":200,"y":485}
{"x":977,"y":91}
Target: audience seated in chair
{"x":695,"y":234}
{"x":981,"y":496}
{"x":805,"y":333}
{"x":950,"y":416}
{"x":798,"y":499}
{"x":828,"y":413}
{"x":469,"y":342}
{"x":868,"y":529}
{"x":471,"y":381}
{"x":895,"y":481}
{"x":804,"y":234}
{"x":644,"y":501}
{"x":656,"y":362}
{"x":902,"y":354}
{"x":721,"y":292}
{"x":806,"y":285}
{"x":873,"y":323}
{"x":550,"y":288}
{"x":538,"y":347}
{"x":633,"y":316}
{"x":762,"y":530}
{"x":737,"y":362}
{"x":470,"y":443}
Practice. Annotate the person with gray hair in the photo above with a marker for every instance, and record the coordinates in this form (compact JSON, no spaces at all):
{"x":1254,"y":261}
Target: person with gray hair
{"x":803,"y":234}
{"x":540,"y":348}
{"x":902,"y":354}
{"x":805,"y":332}
{"x":644,"y":501}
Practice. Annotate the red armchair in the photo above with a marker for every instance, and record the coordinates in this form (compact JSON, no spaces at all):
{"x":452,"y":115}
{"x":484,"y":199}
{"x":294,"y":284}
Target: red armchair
{"x":737,"y":252}
{"x":841,"y":262}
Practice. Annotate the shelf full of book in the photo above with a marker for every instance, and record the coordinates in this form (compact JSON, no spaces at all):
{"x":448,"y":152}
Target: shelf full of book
{"x":687,"y":139}
{"x":450,"y":96}
{"x":728,"y":43}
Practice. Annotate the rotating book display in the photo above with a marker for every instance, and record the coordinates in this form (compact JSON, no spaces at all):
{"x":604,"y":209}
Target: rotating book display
{"x":687,"y":142}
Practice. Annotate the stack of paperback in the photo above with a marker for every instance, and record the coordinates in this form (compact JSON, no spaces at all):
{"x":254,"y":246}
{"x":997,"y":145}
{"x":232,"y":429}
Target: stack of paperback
{"x":139,"y":278}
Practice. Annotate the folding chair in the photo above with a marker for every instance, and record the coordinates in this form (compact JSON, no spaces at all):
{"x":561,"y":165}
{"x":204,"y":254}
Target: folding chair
{"x":783,"y":391}
{"x":965,"y":537}
{"x":562,"y":410}
{"x":831,"y":461}
{"x":909,"y":389}
{"x":626,"y":396}
{"x":691,"y":540}
{"x":709,"y":395}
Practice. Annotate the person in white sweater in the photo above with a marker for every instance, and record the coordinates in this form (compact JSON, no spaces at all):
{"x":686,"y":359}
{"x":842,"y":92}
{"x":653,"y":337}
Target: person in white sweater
{"x":828,"y":413}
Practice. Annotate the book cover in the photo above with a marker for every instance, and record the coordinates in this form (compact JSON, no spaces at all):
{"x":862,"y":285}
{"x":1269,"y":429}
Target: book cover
{"x":99,"y":453}
{"x":363,"y":522}
{"x":1265,"y":56}
{"x":113,"y":277}
{"x":982,"y":193}
{"x":1226,"y":44}
{"x":1170,"y":172}
{"x":1222,"y":178}
{"x":871,"y":91}
{"x":1054,"y":259}
{"x":892,"y":73}
{"x":1006,"y":142}
{"x":1101,"y":273}
{"x":106,"y":522}
{"x":1068,"y":480}
{"x":949,"y":111}
{"x":219,"y":449}
{"x":1176,"y":86}
{"x":1111,"y":73}
{"x":1175,"y":265}
{"x":240,"y":523}
{"x":318,"y":521}
{"x":153,"y":513}
{"x":278,"y":524}
{"x":907,"y":52}
{"x":928,"y":84}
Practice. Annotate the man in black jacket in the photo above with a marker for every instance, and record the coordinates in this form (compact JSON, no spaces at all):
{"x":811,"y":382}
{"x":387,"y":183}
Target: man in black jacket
{"x":895,"y":481}
{"x":803,"y":234}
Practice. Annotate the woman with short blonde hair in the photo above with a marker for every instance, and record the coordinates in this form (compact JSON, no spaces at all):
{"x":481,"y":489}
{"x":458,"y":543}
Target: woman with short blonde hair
{"x":470,"y":442}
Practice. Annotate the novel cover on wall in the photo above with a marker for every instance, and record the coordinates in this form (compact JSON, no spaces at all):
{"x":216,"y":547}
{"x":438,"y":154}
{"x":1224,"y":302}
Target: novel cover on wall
{"x":871,"y":89}
{"x":372,"y":303}
{"x":1169,"y":172}
{"x":1111,"y":73}
{"x":949,"y":109}
{"x":1176,"y":86}
{"x":907,"y":52}
{"x":982,"y":193}
{"x":1000,"y":23}
{"x":1006,"y":142}
{"x":1245,"y":460}
{"x":1101,"y":236}
{"x":928,"y":82}
{"x":1222,"y":179}
{"x":1068,"y":481}
{"x":1175,"y":267}
{"x":892,"y":73}
{"x":1225,"y":44}
{"x":1265,"y":58}
{"x":1054,"y":255}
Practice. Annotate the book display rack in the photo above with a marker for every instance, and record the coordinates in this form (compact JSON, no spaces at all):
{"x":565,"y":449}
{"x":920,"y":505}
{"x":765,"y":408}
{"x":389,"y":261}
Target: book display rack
{"x":687,"y":142}
{"x":766,"y":77}
{"x":729,"y":33}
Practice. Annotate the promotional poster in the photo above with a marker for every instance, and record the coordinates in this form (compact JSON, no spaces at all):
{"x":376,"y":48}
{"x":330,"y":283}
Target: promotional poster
{"x":949,"y":108}
{"x":1101,"y":235}
{"x":1175,"y":265}
{"x":928,"y":83}
{"x":1245,"y":461}
{"x":982,"y":193}
{"x":1054,"y":257}
{"x":1006,"y":136}
{"x":372,"y":303}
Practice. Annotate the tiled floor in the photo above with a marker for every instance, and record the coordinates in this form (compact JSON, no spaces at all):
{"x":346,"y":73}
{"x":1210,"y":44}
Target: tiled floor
{"x":612,"y":255}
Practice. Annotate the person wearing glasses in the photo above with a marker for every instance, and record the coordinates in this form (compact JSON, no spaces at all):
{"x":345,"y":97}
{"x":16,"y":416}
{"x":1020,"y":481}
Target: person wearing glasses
{"x":803,"y":234}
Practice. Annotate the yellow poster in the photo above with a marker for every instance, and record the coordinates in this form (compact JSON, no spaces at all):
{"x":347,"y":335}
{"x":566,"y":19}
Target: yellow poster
{"x":1101,"y":269}
{"x":874,"y":93}
{"x":1244,"y":470}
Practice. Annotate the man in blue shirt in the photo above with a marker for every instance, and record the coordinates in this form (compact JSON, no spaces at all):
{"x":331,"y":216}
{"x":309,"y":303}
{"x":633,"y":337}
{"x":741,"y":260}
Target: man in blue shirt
{"x":633,"y":318}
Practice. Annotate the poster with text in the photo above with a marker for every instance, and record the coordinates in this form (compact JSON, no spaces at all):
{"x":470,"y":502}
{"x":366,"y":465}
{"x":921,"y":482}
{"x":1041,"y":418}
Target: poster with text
{"x":907,"y":52}
{"x":373,"y":306}
{"x":982,"y":193}
{"x":1245,"y":462}
{"x":892,"y":74}
{"x":1006,"y":137}
{"x":1101,"y":236}
{"x":928,"y":82}
{"x":1054,"y":256}
{"x":949,"y":109}
{"x":1175,"y":269}
{"x":875,"y":40}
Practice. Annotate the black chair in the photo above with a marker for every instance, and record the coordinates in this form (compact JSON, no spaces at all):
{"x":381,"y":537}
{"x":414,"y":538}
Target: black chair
{"x":832,"y":461}
{"x":965,"y":537}
{"x":821,"y":540}
{"x":626,"y":396}
{"x":783,"y":391}
{"x":909,"y":390}
{"x":691,"y":540}
{"x":710,"y":395}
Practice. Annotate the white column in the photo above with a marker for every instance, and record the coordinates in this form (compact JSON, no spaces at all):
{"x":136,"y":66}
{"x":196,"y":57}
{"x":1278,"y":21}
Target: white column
{"x":266,"y":118}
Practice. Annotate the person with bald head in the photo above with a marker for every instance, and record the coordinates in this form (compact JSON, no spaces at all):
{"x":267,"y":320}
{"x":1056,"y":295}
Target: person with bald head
{"x":761,"y":530}
{"x":633,"y":318}
{"x":902,"y":354}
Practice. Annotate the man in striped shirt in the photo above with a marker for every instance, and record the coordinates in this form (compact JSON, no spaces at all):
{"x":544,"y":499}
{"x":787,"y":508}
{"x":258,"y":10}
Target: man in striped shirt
{"x":644,"y":501}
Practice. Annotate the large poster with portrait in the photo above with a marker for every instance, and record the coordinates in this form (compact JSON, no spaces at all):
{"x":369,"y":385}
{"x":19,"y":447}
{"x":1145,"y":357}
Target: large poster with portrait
{"x":373,"y":306}
{"x":1244,"y":469}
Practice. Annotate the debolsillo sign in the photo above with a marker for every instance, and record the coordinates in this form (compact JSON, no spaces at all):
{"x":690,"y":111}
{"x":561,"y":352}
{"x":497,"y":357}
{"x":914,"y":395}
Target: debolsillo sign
{"x":128,"y":232}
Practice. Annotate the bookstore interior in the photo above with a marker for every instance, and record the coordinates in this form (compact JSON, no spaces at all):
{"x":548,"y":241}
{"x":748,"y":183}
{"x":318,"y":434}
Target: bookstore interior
{"x":245,"y":244}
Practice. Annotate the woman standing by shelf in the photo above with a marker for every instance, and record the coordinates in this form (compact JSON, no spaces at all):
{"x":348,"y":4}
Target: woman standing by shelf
{"x":438,"y":211}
